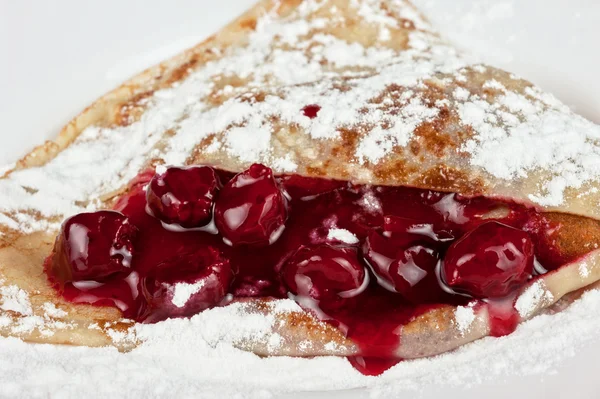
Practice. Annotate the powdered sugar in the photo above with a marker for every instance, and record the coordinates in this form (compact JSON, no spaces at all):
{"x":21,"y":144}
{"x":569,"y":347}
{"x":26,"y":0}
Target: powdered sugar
{"x":15,"y":299}
{"x":342,"y":235}
{"x":52,"y":311}
{"x":185,"y":357}
{"x":464,"y":316}
{"x":583,"y":270}
{"x":532,"y":299}
{"x":563,"y":142}
{"x":183,"y":291}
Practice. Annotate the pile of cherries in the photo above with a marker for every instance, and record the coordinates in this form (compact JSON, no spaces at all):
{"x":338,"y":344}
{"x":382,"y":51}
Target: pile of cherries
{"x":208,"y":233}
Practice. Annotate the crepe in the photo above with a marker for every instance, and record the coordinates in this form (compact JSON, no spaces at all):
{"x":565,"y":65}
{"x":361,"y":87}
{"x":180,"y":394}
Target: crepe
{"x":399,"y":106}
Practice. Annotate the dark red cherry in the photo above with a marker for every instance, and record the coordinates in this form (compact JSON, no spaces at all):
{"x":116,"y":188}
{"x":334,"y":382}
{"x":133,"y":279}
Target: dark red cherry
{"x":251,"y":208}
{"x":183,"y":196}
{"x":327,"y":274}
{"x":311,"y":110}
{"x":403,"y":267}
{"x":123,"y":292}
{"x":490,"y":261}
{"x":186,"y":284}
{"x":93,"y":246}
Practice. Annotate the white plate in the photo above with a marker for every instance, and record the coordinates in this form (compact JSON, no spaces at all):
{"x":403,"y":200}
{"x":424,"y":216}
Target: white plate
{"x":56,"y":57}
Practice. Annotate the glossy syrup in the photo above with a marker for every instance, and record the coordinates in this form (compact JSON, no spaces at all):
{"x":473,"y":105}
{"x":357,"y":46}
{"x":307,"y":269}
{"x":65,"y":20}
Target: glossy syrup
{"x":373,"y":319}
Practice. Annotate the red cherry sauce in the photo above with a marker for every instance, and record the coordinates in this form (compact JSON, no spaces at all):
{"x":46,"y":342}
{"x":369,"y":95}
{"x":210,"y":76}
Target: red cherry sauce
{"x":401,"y":235}
{"x":311,"y":110}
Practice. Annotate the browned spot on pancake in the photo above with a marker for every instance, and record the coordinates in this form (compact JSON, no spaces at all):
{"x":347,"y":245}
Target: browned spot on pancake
{"x":574,"y":236}
{"x":313,"y":329}
{"x":342,"y":86}
{"x":133,"y":109}
{"x":464,"y":134}
{"x":249,"y":24}
{"x":284,"y":7}
{"x":346,"y":148}
{"x":256,"y":96}
{"x":8,"y":235}
{"x":444,"y":178}
{"x":438,"y":319}
{"x":220,"y":81}
{"x":433,"y":93}
{"x":433,"y":136}
{"x":169,"y":133}
{"x":198,"y":154}
{"x":182,"y":71}
{"x":492,"y":92}
{"x":316,"y":171}
{"x":298,"y":318}
{"x":395,"y":170}
{"x":407,"y":24}
{"x":414,"y":147}
{"x":392,"y":91}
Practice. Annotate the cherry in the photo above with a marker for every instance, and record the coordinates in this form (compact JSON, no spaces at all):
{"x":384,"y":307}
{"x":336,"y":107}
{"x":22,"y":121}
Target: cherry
{"x":311,"y":110}
{"x":251,"y":209}
{"x":93,"y":246}
{"x":403,"y":267}
{"x":183,"y":196}
{"x":122,"y":291}
{"x":327,"y":274}
{"x":186,"y":284}
{"x":490,"y":261}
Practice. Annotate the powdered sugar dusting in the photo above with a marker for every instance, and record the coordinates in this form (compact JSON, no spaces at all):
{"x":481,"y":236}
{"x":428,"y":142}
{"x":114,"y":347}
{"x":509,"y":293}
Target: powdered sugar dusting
{"x":183,"y":291}
{"x":18,"y":316}
{"x":532,"y":298}
{"x":464,"y":316}
{"x":52,"y":311}
{"x":176,"y":352}
{"x":342,"y":235}
{"x":564,"y":143}
{"x":15,"y":299}
{"x":584,"y":271}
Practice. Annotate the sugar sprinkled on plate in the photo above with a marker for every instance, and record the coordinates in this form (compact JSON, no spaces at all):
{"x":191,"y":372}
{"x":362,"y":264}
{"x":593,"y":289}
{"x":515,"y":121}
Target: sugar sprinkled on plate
{"x":178,"y":351}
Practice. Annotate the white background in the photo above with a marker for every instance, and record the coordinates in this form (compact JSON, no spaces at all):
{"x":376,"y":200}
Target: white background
{"x":57,"y":57}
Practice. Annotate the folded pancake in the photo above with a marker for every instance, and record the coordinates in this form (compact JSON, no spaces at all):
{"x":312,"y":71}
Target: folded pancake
{"x":392,"y":104}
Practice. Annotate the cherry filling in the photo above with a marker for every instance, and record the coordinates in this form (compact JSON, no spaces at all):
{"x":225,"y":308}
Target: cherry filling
{"x":326,"y":275}
{"x":490,"y":261}
{"x":404,"y":258}
{"x":94,"y":246}
{"x":366,"y":259}
{"x":251,"y":209}
{"x":183,"y":196}
{"x":186,"y":284}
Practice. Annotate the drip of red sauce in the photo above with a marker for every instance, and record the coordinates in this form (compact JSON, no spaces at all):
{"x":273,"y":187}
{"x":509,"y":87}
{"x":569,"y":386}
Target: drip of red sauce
{"x":372,"y":319}
{"x":503,"y":318}
{"x":311,"y":110}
